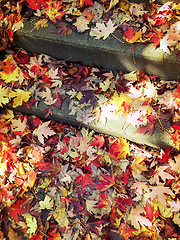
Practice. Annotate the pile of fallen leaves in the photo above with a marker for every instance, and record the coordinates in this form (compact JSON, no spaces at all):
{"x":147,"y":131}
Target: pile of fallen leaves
{"x":57,"y":182}
{"x":146,"y":22}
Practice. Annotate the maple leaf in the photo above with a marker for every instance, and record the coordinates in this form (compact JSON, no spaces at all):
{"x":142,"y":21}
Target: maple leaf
{"x":126,"y":233}
{"x":36,"y":4}
{"x":174,"y":205}
{"x":103,"y":30}
{"x":31,"y":222}
{"x":165,"y":42}
{"x":122,"y":101}
{"x":36,"y":237}
{"x":18,"y":126}
{"x":46,"y":95}
{"x":159,"y":191}
{"x":103,"y":201}
{"x":131,"y":36}
{"x":43,"y":131}
{"x":16,"y":210}
{"x":92,"y":226}
{"x":150,"y":212}
{"x":47,"y":203}
{"x":160,"y":173}
{"x":175,"y":165}
{"x":119,"y":149}
{"x":151,"y":121}
{"x":40,"y":23}
{"x":165,"y":155}
{"x":83,"y":179}
{"x":86,"y":2}
{"x":106,"y":182}
{"x":121,"y":202}
{"x":81,"y":24}
{"x":4,"y":95}
{"x":137,"y":219}
{"x":89,"y":15}
{"x":11,"y":72}
{"x":155,"y":37}
{"x":54,"y":236}
{"x":19,"y":96}
{"x":99,"y":141}
{"x":52,"y":11}
{"x":178,"y":92}
{"x":138,"y":164}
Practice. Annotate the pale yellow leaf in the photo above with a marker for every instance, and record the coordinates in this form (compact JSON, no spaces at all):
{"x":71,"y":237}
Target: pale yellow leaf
{"x":8,"y":77}
{"x":47,"y":203}
{"x":19,"y":96}
{"x":31,"y":223}
{"x":4,"y":95}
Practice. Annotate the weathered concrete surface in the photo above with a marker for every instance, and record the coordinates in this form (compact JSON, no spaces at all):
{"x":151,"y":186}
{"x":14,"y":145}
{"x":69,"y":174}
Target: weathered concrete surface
{"x":117,"y":127}
{"x":110,"y":53}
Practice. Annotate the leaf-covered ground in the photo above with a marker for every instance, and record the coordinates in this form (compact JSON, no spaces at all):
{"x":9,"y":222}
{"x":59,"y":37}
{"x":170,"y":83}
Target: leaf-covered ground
{"x":59,"y":182}
{"x":146,"y":22}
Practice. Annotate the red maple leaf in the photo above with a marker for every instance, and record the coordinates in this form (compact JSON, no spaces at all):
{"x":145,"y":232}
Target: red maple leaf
{"x":16,"y":210}
{"x":131,"y":36}
{"x":86,"y":2}
{"x":36,"y":4}
{"x":103,"y":201}
{"x":36,"y":237}
{"x":91,"y":226}
{"x":99,"y":141}
{"x":83,"y":179}
{"x":121,"y":202}
{"x":106,"y":182}
{"x":150,"y":212}
{"x":151,"y":121}
{"x":178,"y":92}
{"x":155,"y":37}
{"x":166,"y":155}
{"x":126,"y":233}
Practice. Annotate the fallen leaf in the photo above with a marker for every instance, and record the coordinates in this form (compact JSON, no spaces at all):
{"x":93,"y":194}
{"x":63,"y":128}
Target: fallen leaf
{"x":43,"y":131}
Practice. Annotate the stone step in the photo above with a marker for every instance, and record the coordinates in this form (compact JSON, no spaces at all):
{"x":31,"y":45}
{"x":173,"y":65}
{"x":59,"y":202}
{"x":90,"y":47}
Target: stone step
{"x":111,"y":53}
{"x":117,"y":127}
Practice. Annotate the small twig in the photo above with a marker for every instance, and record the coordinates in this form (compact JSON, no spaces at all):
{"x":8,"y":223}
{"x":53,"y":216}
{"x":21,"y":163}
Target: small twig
{"x":117,"y":38}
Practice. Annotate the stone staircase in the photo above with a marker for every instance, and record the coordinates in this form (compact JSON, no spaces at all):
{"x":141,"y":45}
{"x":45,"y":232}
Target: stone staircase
{"x":112,"y":54}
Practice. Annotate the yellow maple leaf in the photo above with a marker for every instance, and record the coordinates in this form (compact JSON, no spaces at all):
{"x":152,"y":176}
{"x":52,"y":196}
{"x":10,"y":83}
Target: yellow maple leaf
{"x":9,"y":113}
{"x":4,"y":95}
{"x":122,"y":101}
{"x":40,"y":23}
{"x":138,"y":164}
{"x":19,"y":96}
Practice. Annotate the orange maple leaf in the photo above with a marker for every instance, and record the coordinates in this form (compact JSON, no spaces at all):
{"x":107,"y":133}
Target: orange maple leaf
{"x":126,"y":233}
{"x":119,"y":149}
{"x":52,"y":10}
